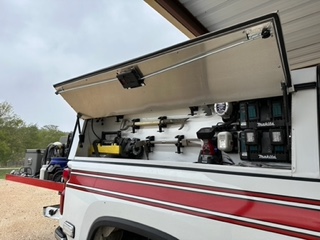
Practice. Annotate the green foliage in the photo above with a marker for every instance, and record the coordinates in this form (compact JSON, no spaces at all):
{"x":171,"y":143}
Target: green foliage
{"x":16,"y":136}
{"x":5,"y":171}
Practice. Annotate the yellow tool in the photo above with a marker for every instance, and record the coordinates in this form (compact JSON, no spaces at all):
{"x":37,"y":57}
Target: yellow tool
{"x":107,"y":149}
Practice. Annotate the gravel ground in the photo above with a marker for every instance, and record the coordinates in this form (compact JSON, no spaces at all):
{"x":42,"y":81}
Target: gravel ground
{"x":21,"y":212}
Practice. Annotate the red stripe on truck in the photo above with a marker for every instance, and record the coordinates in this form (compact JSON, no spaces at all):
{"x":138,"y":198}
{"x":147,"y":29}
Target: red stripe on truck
{"x":199,"y":203}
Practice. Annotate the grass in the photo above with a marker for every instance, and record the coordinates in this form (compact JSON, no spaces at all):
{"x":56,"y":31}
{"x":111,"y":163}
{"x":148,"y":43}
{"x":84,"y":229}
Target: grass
{"x":4,"y":171}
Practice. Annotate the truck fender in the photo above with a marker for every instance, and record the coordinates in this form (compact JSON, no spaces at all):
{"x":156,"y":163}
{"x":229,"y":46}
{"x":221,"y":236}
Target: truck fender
{"x":112,"y":223}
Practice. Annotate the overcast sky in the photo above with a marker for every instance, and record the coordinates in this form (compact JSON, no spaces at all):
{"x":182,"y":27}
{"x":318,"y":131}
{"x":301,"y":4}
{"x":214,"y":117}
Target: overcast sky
{"x":44,"y":42}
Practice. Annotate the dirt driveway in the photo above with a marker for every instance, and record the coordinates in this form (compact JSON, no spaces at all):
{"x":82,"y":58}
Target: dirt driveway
{"x":21,"y":212}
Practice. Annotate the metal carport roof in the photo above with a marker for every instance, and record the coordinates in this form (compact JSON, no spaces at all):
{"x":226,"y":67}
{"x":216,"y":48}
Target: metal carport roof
{"x":300,"y":21}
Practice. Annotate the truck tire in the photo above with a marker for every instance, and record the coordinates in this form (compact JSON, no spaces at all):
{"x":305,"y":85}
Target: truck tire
{"x":57,"y":176}
{"x":108,"y":233}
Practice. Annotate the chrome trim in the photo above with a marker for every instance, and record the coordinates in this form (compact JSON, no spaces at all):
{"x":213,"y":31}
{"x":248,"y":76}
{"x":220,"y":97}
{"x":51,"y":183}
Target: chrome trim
{"x":68,"y":229}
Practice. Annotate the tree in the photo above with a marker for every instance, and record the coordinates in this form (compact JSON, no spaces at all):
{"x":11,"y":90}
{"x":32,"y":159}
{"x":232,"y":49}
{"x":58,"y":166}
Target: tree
{"x":7,"y":116}
{"x":16,"y":136}
{"x":49,"y":134}
{"x":10,"y":143}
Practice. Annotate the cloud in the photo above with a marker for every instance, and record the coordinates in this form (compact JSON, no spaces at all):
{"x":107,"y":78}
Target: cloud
{"x":46,"y":42}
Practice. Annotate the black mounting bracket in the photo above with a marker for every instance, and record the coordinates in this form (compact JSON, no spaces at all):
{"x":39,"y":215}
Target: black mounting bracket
{"x":193,"y":110}
{"x":162,"y":124}
{"x":119,"y":118}
{"x":134,"y":126}
{"x":179,"y":143}
{"x":149,"y":145}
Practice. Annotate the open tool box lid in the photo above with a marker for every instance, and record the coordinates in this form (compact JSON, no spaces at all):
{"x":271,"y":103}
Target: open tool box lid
{"x":242,"y":62}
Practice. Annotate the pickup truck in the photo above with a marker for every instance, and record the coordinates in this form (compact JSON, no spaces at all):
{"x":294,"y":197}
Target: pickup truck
{"x":212,"y":138}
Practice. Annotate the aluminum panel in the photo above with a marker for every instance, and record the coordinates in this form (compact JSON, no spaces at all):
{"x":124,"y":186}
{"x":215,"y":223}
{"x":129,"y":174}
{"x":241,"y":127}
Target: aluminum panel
{"x":227,"y":65}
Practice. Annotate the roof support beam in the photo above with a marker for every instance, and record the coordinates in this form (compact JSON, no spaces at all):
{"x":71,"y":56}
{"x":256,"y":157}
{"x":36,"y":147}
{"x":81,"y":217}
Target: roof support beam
{"x":179,"y":16}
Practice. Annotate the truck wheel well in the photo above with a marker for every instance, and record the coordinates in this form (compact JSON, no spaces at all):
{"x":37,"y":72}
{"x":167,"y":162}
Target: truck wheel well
{"x":129,"y":227}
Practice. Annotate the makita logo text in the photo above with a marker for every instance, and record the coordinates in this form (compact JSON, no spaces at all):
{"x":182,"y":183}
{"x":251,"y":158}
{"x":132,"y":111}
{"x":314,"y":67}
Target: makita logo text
{"x":267,"y":156}
{"x":265,"y":124}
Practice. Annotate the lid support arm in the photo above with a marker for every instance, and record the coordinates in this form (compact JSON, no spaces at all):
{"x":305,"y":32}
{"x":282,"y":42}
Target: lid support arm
{"x":287,"y":117}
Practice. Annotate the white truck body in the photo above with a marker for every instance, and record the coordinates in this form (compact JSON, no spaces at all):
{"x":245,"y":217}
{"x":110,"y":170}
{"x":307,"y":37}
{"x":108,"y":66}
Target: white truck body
{"x":164,"y":186}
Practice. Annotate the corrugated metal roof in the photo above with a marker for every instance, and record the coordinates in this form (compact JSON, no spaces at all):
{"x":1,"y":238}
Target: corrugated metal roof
{"x":300,"y":22}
